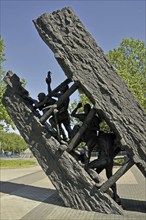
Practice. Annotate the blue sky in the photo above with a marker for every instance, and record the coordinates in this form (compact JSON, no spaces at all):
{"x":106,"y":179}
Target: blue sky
{"x":28,"y":56}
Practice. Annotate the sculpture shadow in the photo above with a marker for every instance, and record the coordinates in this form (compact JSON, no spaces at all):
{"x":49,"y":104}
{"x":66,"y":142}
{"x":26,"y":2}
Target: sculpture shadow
{"x":31,"y":192}
{"x":134,"y":205}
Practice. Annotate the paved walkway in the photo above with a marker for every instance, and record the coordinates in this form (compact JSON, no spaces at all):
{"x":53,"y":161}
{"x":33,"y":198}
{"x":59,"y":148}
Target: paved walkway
{"x":27,"y":194}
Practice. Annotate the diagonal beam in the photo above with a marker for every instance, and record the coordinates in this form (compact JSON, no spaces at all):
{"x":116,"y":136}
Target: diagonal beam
{"x":116,"y":176}
{"x":65,"y":82}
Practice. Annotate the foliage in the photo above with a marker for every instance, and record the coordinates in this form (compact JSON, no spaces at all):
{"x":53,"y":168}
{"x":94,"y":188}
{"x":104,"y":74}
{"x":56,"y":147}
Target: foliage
{"x":2,"y":55}
{"x":72,"y":106}
{"x":12,"y":142}
{"x":5,"y":120}
{"x":19,"y":163}
{"x":4,"y":117}
{"x":119,"y":161}
{"x":83,"y":99}
{"x":129,"y":60}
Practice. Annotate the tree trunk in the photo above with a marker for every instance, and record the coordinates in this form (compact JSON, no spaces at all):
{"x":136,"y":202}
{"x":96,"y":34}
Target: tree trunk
{"x":84,"y":62}
{"x":73,"y":183}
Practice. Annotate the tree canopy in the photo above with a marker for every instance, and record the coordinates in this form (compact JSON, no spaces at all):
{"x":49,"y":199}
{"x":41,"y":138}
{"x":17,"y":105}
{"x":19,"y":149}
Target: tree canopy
{"x":129,"y":60}
{"x":12,"y":142}
{"x":4,"y":117}
{"x":8,"y":141}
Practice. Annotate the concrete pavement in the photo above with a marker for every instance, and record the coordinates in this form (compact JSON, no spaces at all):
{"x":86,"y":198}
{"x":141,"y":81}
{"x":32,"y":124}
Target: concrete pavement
{"x":28,"y":194}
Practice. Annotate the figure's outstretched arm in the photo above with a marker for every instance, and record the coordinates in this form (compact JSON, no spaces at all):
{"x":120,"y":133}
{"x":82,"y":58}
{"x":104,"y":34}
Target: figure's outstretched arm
{"x":75,"y":115}
{"x":48,"y":81}
{"x":40,"y":104}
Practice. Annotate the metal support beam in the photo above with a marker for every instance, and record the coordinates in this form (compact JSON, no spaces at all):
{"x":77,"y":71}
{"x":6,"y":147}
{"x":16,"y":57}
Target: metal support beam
{"x":116,"y":176}
{"x":65,"y":82}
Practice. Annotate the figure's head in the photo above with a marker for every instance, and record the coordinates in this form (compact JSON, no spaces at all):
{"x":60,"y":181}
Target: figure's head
{"x":9,"y":74}
{"x":41,"y":96}
{"x":87,"y":108}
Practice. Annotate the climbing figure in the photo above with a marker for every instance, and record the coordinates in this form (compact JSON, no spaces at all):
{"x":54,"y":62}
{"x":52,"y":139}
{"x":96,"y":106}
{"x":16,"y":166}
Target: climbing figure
{"x":90,"y":135}
{"x":44,"y":102}
{"x":63,"y":117}
{"x":107,"y":151}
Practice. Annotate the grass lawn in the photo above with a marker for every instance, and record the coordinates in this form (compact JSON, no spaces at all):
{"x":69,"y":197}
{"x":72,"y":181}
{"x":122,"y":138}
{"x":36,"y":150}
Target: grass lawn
{"x":19,"y":163}
{"x":23,"y":163}
{"x":119,"y":161}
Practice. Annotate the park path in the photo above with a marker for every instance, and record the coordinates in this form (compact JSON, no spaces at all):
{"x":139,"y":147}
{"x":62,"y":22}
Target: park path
{"x":28,"y":194}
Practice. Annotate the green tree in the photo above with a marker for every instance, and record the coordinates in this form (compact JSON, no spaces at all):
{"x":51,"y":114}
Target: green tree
{"x":83,"y":99}
{"x":5,"y":120}
{"x":12,"y":142}
{"x":4,"y":117}
{"x":129,"y":60}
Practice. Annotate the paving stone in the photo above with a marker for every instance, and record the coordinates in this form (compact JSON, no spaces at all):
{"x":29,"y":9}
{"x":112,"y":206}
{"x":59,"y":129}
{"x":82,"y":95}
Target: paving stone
{"x":37,"y":199}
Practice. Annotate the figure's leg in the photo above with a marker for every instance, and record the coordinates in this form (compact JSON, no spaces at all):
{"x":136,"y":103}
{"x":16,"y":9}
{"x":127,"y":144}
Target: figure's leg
{"x":89,"y":148}
{"x":114,"y":186}
{"x":52,"y":122}
{"x":75,"y":130}
{"x":68,"y":127}
{"x":62,"y":132}
{"x":56,"y":126}
{"x":78,"y":156}
{"x":98,"y":164}
{"x":90,"y":144}
{"x":91,"y":141}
